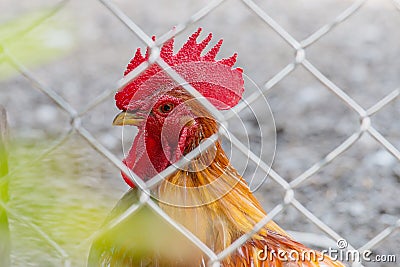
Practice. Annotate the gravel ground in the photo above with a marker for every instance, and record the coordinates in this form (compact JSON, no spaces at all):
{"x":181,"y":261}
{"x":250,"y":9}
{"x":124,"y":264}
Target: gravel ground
{"x":70,"y":191}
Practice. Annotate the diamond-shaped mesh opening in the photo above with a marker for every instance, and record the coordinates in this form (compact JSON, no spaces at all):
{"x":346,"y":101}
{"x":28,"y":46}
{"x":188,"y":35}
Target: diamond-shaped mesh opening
{"x":305,"y":110}
{"x":17,"y":96}
{"x":368,"y":74}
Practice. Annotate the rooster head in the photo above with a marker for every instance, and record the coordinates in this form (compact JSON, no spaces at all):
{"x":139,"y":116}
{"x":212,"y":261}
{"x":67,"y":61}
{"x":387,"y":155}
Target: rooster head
{"x":172,"y":122}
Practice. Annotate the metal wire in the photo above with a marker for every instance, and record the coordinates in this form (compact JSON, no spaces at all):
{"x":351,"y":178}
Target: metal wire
{"x":300,"y":59}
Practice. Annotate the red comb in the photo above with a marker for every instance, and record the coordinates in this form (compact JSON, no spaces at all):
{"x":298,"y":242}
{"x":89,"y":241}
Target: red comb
{"x":215,"y":80}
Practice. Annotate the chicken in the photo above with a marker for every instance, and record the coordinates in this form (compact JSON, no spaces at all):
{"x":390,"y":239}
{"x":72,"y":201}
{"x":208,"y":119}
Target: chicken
{"x":207,"y":196}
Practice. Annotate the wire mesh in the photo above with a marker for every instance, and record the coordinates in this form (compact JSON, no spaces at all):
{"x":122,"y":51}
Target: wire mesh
{"x":300,"y":59}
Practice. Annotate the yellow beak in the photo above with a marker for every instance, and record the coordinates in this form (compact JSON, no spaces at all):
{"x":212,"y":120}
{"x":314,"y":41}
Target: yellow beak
{"x":127,"y":118}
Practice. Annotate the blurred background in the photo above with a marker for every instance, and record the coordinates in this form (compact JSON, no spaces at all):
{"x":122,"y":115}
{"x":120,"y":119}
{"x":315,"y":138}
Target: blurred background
{"x":61,"y":188}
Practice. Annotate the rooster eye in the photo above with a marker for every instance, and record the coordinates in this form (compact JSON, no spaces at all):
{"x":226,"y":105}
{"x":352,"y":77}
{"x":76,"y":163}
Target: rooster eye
{"x":166,"y":108}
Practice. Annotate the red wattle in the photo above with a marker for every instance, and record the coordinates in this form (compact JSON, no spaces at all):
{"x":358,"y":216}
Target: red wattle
{"x":126,"y":178}
{"x":146,"y":158}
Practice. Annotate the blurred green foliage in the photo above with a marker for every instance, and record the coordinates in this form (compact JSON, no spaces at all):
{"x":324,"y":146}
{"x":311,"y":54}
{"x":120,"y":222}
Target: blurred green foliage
{"x":5,"y":244}
{"x":33,"y":39}
{"x":67,"y":193}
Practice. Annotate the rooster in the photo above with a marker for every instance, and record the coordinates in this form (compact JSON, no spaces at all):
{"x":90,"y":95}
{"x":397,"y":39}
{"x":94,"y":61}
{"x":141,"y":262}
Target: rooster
{"x":207,"y":196}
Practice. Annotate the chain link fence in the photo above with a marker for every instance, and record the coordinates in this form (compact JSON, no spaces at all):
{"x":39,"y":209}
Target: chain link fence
{"x":75,"y":120}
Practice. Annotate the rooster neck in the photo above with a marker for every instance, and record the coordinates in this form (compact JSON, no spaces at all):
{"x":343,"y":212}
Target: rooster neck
{"x":216,"y":205}
{"x":213,"y":201}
